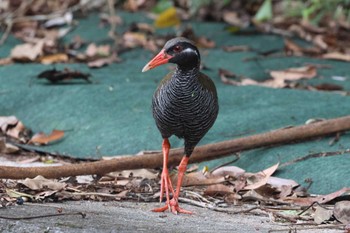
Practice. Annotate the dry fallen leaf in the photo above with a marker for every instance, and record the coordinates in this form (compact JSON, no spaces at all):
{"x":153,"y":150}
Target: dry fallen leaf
{"x":43,"y":139}
{"x":294,"y":73}
{"x":322,"y":215}
{"x":7,"y":148}
{"x":236,"y":48}
{"x":218,"y":189}
{"x":341,"y":211}
{"x":337,"y":56}
{"x":6,"y":121}
{"x":54,"y":58}
{"x":40,"y":182}
{"x":259,"y":179}
{"x":321,"y":199}
{"x":228,"y":171}
{"x":198,"y":178}
{"x":134,"y":39}
{"x":167,"y":18}
{"x":102,"y":50}
{"x":98,"y":63}
{"x":27,"y":51}
{"x":277,"y":182}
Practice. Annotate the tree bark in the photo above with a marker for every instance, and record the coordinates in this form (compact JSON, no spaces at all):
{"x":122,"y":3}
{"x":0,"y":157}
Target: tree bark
{"x":201,"y":153}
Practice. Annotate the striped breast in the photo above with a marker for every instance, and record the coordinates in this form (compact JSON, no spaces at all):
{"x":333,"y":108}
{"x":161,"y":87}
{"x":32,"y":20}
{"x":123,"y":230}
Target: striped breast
{"x":186,"y":105}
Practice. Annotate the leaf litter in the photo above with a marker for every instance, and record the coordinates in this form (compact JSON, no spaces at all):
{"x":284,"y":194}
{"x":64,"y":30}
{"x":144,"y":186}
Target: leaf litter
{"x":218,"y":190}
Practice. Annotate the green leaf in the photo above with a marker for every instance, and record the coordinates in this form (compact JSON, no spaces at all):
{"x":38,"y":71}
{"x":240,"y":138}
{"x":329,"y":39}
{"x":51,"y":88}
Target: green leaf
{"x":265,"y":12}
{"x":161,"y":6}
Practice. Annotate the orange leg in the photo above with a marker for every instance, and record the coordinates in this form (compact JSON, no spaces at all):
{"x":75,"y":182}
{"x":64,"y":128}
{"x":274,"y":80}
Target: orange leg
{"x":165,"y":184}
{"x":173,"y":204}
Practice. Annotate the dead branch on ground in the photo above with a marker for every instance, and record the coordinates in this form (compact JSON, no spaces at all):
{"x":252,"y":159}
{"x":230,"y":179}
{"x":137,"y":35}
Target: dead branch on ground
{"x":201,"y":153}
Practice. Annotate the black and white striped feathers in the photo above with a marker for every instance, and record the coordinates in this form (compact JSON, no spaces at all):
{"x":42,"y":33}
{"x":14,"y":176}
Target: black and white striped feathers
{"x":185,"y":103}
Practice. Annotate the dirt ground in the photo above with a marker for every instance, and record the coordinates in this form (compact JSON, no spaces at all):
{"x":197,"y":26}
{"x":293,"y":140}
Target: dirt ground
{"x":137,"y":217}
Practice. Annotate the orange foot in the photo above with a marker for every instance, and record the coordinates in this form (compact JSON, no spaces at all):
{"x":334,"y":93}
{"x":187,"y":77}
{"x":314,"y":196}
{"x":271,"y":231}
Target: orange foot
{"x":173,"y":206}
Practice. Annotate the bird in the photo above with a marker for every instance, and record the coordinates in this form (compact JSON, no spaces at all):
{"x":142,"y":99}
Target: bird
{"x":185,"y":104}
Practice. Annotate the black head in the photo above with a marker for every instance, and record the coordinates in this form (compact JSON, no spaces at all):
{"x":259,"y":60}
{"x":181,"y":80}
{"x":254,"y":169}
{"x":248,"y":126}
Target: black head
{"x":183,"y":52}
{"x":180,"y":51}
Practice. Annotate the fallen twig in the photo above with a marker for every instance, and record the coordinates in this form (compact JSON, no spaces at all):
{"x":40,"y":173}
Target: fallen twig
{"x":83,"y":215}
{"x":201,"y":153}
{"x":314,"y":155}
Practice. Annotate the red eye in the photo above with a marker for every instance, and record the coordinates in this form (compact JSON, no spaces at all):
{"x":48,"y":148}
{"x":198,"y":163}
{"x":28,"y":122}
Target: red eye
{"x":177,"y":48}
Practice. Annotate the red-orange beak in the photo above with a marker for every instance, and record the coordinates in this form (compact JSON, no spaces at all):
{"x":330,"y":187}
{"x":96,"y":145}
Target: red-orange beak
{"x":158,"y":60}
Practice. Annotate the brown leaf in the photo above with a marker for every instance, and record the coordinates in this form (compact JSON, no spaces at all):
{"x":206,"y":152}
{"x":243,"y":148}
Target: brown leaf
{"x":27,"y":51}
{"x":198,"y":178}
{"x":322,"y":215}
{"x":134,"y":39}
{"x":337,"y":56}
{"x":225,"y":76}
{"x":7,"y":148}
{"x":236,"y":48}
{"x":54,"y":58}
{"x":259,"y":179}
{"x":98,"y":63}
{"x":218,"y":189}
{"x":307,"y":201}
{"x":293,"y":48}
{"x":40,"y":182}
{"x":102,"y":50}
{"x":233,"y":18}
{"x":43,"y":139}
{"x":341,"y":211}
{"x":294,"y":73}
{"x":204,"y":42}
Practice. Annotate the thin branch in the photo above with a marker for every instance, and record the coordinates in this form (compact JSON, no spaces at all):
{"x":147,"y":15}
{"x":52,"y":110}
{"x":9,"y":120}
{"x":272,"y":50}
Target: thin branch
{"x":201,"y":153}
{"x":314,"y":155}
{"x":83,"y":215}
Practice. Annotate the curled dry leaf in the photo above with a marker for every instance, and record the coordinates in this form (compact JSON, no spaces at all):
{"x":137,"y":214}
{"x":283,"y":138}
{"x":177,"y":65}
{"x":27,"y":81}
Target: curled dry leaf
{"x":337,"y":56}
{"x":321,"y":199}
{"x":228,"y":171}
{"x":7,"y":121}
{"x":44,"y":139}
{"x":259,"y":179}
{"x":100,"y":62}
{"x":341,"y":211}
{"x":40,"y":182}
{"x":278,"y":183}
{"x":27,"y":51}
{"x":294,"y":73}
